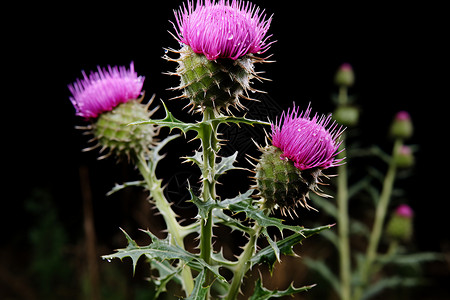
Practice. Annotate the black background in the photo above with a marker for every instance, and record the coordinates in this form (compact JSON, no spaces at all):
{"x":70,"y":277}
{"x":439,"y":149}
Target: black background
{"x":397,"y":53}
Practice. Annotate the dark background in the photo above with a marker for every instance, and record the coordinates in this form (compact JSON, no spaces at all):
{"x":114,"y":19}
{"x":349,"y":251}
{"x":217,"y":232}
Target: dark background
{"x":397,"y":53}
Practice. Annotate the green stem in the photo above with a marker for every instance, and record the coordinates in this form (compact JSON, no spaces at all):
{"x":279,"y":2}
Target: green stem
{"x":343,"y":229}
{"x":343,"y":218}
{"x":175,"y":229}
{"x":209,"y":148}
{"x":243,"y":263}
{"x":380,"y":215}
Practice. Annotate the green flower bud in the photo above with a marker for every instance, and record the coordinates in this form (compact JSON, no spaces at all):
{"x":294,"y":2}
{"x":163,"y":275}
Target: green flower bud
{"x":112,"y":133}
{"x":404,"y":158}
{"x":402,"y":126}
{"x":345,"y":76}
{"x":400,"y":226}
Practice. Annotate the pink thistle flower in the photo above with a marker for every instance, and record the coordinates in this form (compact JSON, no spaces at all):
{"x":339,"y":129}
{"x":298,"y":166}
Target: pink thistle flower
{"x":306,"y":141}
{"x":103,"y":90}
{"x":223,"y":30}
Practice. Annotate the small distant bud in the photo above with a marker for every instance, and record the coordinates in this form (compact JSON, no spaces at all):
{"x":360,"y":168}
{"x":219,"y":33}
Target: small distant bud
{"x":345,"y":75}
{"x":400,"y":226}
{"x":402,"y":126}
{"x":404,"y":157}
{"x":346,"y":115}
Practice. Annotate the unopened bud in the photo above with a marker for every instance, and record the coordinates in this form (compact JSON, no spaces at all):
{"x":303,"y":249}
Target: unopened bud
{"x":345,"y":75}
{"x":404,"y":157}
{"x":400,"y":226}
{"x":402,"y":126}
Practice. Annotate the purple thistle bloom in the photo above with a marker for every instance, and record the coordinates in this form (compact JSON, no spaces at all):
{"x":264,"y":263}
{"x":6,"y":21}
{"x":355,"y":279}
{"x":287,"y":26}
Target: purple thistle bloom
{"x":104,"y":90}
{"x":307,"y":142}
{"x":222,"y":30}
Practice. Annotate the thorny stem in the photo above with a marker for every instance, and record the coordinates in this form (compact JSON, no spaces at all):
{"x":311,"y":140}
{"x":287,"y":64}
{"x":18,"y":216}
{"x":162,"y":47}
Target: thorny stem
{"x":343,"y":220}
{"x":380,"y":214}
{"x":243,"y":263}
{"x":209,"y":148}
{"x":175,"y":229}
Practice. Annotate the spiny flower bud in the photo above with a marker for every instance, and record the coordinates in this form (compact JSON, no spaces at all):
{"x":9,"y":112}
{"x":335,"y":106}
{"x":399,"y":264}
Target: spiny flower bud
{"x":302,"y":148}
{"x":344,"y":76}
{"x":109,"y":100}
{"x":401,"y":126}
{"x":216,"y":63}
{"x":404,"y":158}
{"x":400,"y":226}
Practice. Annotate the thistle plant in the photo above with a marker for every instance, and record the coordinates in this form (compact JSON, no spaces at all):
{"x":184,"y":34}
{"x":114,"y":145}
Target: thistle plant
{"x":220,"y":44}
{"x":362,"y":274}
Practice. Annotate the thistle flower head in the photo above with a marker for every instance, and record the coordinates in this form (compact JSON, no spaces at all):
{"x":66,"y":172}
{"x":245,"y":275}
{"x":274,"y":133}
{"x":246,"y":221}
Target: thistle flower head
{"x":103,"y":90}
{"x":306,"y":141}
{"x":222,"y":29}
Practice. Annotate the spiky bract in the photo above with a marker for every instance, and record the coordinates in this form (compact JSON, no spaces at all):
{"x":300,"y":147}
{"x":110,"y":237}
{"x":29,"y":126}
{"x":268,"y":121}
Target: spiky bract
{"x":111,"y":132}
{"x":216,"y":84}
{"x":281,"y":184}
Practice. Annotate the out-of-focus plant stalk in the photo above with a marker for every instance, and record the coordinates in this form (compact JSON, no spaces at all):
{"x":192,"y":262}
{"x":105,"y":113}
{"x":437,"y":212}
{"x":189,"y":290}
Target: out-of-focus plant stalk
{"x":380,"y":215}
{"x":174,"y":229}
{"x":343,"y":220}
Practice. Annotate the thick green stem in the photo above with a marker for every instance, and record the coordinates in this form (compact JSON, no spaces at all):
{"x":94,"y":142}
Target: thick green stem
{"x":343,"y":218}
{"x":243,"y":263}
{"x":209,"y":148}
{"x":380,"y":215}
{"x":175,"y":229}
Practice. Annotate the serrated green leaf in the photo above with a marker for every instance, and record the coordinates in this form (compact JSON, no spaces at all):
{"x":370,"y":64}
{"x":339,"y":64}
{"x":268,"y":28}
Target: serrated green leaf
{"x":268,"y":256}
{"x":161,"y":250}
{"x":167,"y":273}
{"x":119,"y":187}
{"x":169,"y":121}
{"x":225,"y":164}
{"x":196,"y":158}
{"x":255,"y":213}
{"x":199,"y":292}
{"x":261,"y":293}
{"x":221,"y":218}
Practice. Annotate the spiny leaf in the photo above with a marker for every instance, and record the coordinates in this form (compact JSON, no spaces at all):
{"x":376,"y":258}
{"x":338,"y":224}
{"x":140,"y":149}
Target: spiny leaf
{"x":161,"y":250}
{"x":172,"y":122}
{"x":261,"y":293}
{"x":258,"y":215}
{"x":119,"y":187}
{"x":285,"y":246}
{"x":166,"y":274}
{"x":169,"y":121}
{"x":225,"y":164}
{"x":200,"y":292}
